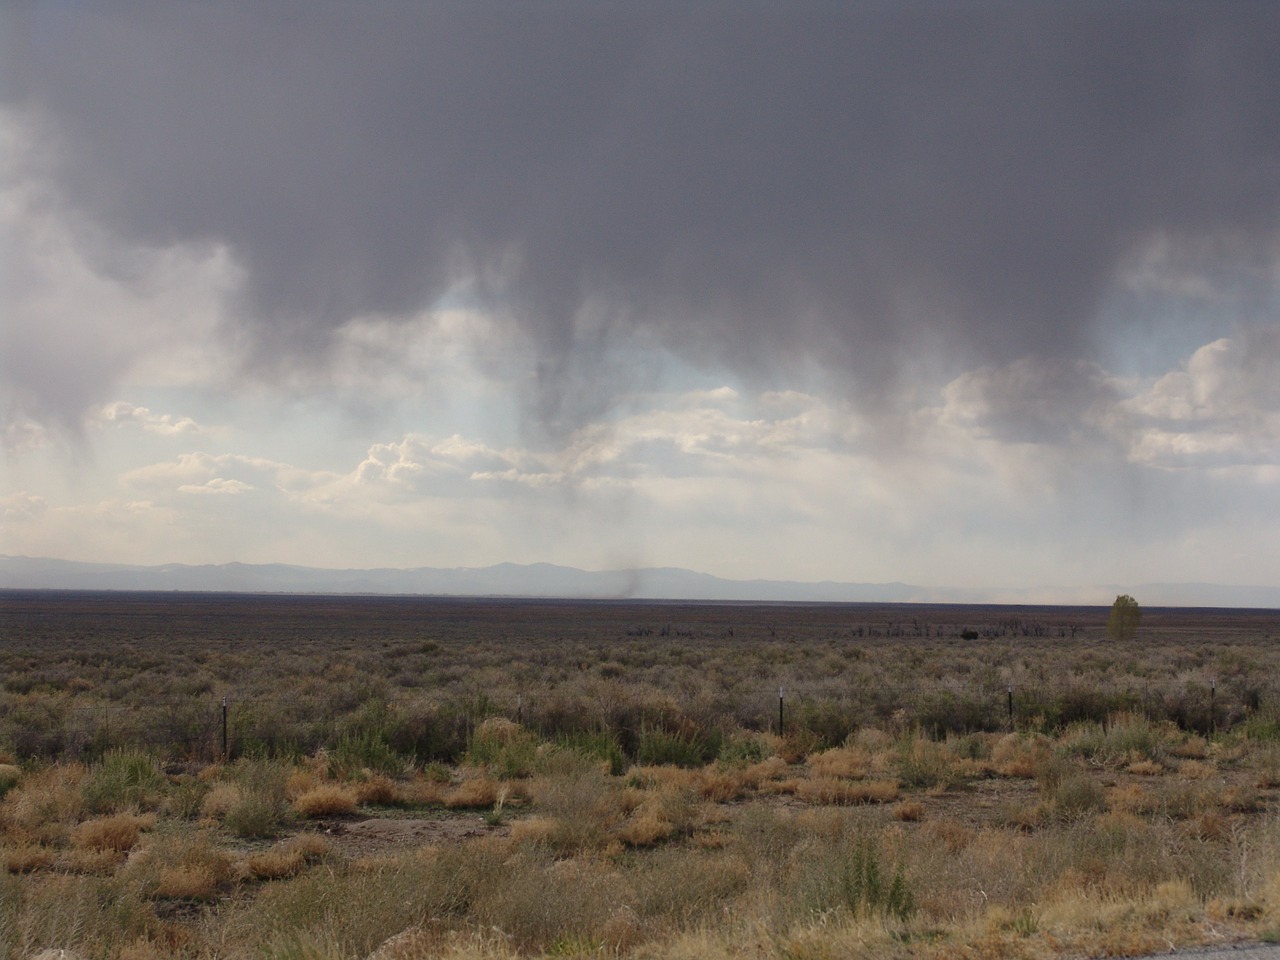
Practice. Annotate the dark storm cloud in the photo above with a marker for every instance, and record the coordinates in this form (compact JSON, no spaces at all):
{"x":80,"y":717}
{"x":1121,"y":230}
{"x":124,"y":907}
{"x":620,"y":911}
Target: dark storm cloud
{"x":754,"y":183}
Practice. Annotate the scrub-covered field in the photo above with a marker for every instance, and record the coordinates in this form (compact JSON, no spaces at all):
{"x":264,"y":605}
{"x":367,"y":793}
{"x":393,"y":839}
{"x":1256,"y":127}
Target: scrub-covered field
{"x":489,"y":778}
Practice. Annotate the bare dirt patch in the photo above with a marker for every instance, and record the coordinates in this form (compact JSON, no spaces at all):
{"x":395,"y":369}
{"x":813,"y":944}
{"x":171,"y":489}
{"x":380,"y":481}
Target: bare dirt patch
{"x":381,"y":836}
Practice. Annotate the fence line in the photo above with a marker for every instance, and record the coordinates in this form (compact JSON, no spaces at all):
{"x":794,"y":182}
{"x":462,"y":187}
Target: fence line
{"x":439,"y":727}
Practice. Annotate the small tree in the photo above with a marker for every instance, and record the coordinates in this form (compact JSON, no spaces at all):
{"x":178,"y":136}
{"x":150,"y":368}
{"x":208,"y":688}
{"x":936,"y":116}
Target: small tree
{"x":1124,"y":619}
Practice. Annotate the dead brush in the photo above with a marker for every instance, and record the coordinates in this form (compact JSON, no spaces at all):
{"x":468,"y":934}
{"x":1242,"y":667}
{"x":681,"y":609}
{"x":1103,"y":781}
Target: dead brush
{"x":1132,"y":798}
{"x":909,"y":811}
{"x":1145,"y":768}
{"x":221,"y":799}
{"x":180,"y":867}
{"x":830,"y":791}
{"x":646,"y":827}
{"x":378,"y":790}
{"x":772,"y":768}
{"x":326,"y":800}
{"x":118,"y":832}
{"x":473,"y":793}
{"x":848,"y":763}
{"x":285,"y":859}
{"x":721,"y":786}
{"x":26,"y":857}
{"x":46,"y":803}
{"x":1019,"y":755}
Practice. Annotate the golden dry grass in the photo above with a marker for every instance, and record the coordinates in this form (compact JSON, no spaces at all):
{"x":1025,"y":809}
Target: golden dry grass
{"x":118,"y":832}
{"x":843,"y":762}
{"x":836,"y":792}
{"x":326,"y":800}
{"x":475,"y":792}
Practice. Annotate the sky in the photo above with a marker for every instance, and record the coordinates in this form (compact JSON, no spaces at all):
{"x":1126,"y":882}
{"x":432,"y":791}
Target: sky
{"x":970,"y":294}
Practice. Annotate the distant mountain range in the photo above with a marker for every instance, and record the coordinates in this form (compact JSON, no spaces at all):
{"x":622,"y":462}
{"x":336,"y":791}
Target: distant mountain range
{"x":549,"y":580}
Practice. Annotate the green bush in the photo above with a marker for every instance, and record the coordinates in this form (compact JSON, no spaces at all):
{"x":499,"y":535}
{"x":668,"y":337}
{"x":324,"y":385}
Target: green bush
{"x":849,"y":875}
{"x":125,"y":779}
{"x":262,"y":808}
{"x":597,"y":745}
{"x":357,"y":752}
{"x":508,"y":750}
{"x":657,"y":747}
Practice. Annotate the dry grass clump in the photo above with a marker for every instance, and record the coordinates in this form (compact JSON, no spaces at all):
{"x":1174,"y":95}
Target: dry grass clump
{"x":326,"y":800}
{"x":419,"y":792}
{"x":1021,"y":755}
{"x":849,"y":763}
{"x":47,"y":803}
{"x":669,"y":812}
{"x":1195,"y":770}
{"x":1145,"y":768}
{"x":378,"y":791}
{"x":831,"y":791}
{"x":287,"y":858}
{"x":771,"y":768}
{"x":26,"y":857}
{"x":181,"y":867}
{"x":909,"y":811}
{"x":474,"y":792}
{"x":118,"y":832}
{"x":220,"y":800}
{"x":1133,"y":798}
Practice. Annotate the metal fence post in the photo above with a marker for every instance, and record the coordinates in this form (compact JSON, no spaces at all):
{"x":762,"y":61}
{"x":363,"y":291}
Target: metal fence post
{"x":781,"y":727}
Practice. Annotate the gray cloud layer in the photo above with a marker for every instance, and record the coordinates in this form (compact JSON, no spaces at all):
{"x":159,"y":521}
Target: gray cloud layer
{"x":750,"y":184}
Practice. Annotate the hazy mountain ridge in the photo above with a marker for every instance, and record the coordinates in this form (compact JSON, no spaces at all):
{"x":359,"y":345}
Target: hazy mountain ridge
{"x":550,"y":580}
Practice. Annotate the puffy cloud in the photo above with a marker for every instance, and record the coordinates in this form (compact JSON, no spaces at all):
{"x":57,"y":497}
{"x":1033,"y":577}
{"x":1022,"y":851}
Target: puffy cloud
{"x":122,"y":412}
{"x":1221,"y":408}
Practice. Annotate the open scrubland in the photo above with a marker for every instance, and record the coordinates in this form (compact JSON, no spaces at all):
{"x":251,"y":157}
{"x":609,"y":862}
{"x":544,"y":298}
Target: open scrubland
{"x":221,"y":776}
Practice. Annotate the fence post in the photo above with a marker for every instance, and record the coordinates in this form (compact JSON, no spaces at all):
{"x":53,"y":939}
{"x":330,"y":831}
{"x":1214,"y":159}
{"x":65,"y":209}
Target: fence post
{"x":1213,"y":702}
{"x":780,"y":714}
{"x":224,"y":729}
{"x":1011,"y":725}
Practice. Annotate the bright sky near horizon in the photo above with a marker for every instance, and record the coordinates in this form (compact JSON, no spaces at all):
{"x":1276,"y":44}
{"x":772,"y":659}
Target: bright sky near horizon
{"x":963,"y":294}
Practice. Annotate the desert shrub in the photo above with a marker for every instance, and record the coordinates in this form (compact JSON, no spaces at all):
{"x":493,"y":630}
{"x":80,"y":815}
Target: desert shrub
{"x":37,"y":726}
{"x":9,"y":777}
{"x":1127,"y":738}
{"x":743,"y":749}
{"x":430,"y":733}
{"x":679,"y":887}
{"x":185,"y":797}
{"x":180,"y":865}
{"x":1021,"y":755}
{"x":849,"y":874}
{"x":364,"y":751}
{"x":88,"y":915}
{"x":555,"y":907}
{"x":505,"y":748}
{"x":600,"y":744}
{"x":829,"y":720}
{"x":943,"y":712}
{"x":657,"y":747}
{"x":1075,"y":797}
{"x":1082,"y":704}
{"x":124,"y":779}
{"x":926,"y":764}
{"x":261,"y":806}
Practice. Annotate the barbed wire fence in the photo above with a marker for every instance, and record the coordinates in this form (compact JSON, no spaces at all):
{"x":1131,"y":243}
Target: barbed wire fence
{"x":439,"y":728}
